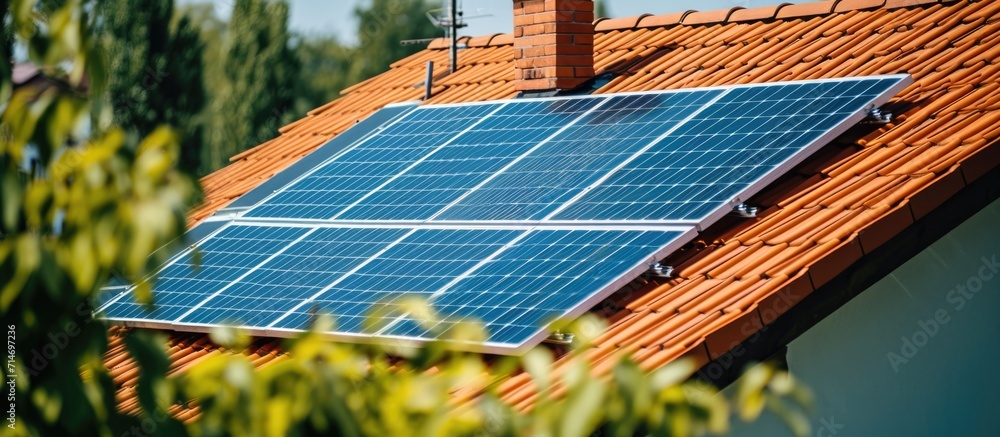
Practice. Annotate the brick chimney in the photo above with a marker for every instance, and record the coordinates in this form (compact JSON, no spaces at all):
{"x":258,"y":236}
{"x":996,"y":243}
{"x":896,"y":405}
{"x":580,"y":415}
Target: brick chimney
{"x":553,"y":44}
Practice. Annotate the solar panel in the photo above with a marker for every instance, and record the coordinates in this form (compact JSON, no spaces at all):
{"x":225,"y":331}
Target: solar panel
{"x":471,"y":158}
{"x":542,"y":277}
{"x":713,"y":158}
{"x":566,"y":164}
{"x":293,"y":276}
{"x":514,"y":281}
{"x":511,"y":213}
{"x":417,"y":266}
{"x":226,"y":258}
{"x":351,"y":175}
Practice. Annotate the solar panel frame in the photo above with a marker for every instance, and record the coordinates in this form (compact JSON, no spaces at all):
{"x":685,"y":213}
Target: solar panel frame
{"x":741,"y":196}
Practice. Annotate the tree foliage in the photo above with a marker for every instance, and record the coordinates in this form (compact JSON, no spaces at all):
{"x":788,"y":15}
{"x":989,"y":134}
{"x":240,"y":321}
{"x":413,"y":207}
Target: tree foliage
{"x":260,"y":76}
{"x":155,"y":70}
{"x":259,"y":72}
{"x":326,"y":70}
{"x":371,"y":390}
{"x":329,"y":65}
{"x":102,"y":207}
{"x":382,"y":26}
{"x":106,"y":206}
{"x":601,"y":9}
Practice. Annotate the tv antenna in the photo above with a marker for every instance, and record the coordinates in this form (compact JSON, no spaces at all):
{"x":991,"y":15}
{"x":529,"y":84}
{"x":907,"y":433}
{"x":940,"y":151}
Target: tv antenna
{"x":451,"y":18}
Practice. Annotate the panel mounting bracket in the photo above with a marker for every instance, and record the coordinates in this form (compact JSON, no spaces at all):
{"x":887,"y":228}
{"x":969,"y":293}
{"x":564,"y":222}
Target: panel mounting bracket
{"x":745,"y":211}
{"x":661,"y":271}
{"x":875,"y":116}
{"x":560,"y":338}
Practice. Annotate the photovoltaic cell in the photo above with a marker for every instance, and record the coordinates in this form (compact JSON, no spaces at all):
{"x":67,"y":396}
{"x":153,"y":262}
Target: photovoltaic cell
{"x":472,"y":157}
{"x":344,"y":180}
{"x":417,"y":267}
{"x":715,"y":156}
{"x":225,"y":258}
{"x":567,"y":164}
{"x":295,"y":275}
{"x":540,"y":278}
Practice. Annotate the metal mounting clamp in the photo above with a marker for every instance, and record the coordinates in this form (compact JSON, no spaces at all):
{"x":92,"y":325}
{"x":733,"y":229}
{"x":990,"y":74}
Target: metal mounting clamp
{"x":877,"y":117}
{"x":744,"y":210}
{"x":659,"y":270}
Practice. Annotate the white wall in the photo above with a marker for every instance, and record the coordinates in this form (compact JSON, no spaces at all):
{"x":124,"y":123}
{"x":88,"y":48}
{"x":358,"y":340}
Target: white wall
{"x":912,"y":355}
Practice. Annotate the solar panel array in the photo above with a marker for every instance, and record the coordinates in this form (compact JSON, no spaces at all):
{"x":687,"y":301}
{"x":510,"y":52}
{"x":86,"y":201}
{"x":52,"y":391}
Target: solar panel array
{"x":510,"y":213}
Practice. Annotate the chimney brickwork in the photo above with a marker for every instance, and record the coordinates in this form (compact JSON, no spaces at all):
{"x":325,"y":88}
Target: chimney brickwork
{"x":553,"y":44}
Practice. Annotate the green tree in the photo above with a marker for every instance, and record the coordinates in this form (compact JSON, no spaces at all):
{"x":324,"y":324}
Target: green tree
{"x":601,"y":9}
{"x":326,"y":64}
{"x":382,"y":25}
{"x":329,"y":66}
{"x":183,"y":93}
{"x":259,"y":73}
{"x":103,"y":206}
{"x":155,"y":70}
{"x":212,"y":32}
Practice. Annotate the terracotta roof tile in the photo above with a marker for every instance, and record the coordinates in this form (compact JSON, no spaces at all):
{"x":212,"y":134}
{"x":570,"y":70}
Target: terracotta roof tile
{"x":806,"y":9}
{"x":755,"y":14}
{"x":892,"y":4}
{"x":662,"y":20}
{"x":618,"y":23}
{"x":847,"y":201}
{"x":707,"y":17}
{"x":852,"y":5}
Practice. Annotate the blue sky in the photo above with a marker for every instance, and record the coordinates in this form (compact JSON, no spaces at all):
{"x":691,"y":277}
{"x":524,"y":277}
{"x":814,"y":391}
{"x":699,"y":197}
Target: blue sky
{"x":334,"y":16}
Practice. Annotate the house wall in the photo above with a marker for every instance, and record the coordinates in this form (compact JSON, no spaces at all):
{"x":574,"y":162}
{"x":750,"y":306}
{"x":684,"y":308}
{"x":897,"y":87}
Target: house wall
{"x":912,"y":355}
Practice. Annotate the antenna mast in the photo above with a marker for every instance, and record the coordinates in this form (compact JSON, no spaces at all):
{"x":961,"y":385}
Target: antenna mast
{"x":453,"y":28}
{"x":450,"y":18}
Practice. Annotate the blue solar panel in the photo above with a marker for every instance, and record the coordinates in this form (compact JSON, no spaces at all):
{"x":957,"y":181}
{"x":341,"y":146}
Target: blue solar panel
{"x":564,"y":166}
{"x":418,"y":266}
{"x":468,"y":160}
{"x":369,"y":225}
{"x":730,"y":145}
{"x":542,"y":277}
{"x":347,"y":178}
{"x":225,"y":258}
{"x":295,"y":275}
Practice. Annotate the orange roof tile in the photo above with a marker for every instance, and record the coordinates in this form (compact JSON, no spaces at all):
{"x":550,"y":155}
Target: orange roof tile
{"x":845,"y":203}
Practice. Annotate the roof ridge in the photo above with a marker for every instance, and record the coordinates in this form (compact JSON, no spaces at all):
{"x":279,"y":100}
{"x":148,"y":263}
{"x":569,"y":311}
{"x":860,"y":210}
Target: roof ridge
{"x":693,"y":17}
